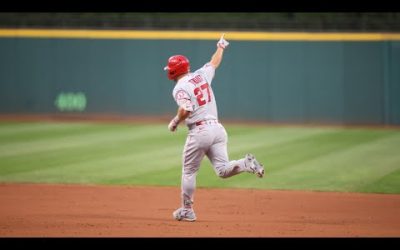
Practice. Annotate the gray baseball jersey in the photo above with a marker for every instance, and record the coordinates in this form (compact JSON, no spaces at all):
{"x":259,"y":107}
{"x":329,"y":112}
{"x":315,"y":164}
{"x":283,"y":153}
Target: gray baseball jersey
{"x":193,"y":93}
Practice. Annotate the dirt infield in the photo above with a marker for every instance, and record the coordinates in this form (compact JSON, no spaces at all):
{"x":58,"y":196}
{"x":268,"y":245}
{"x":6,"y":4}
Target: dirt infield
{"x":32,"y":210}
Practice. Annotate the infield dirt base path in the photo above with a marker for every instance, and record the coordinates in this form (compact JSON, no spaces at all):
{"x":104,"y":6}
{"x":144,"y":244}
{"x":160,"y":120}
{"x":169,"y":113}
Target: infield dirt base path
{"x":32,"y":210}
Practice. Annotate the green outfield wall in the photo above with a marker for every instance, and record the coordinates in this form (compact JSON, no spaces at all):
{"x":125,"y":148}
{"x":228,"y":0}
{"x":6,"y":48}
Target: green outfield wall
{"x":293,"y":80}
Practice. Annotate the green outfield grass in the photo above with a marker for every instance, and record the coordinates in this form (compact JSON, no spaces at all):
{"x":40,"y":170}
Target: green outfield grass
{"x":302,"y":158}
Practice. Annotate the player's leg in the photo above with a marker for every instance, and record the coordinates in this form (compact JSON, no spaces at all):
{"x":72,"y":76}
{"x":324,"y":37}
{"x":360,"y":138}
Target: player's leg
{"x":193,"y":153}
{"x":218,"y":155}
{"x":191,"y":160}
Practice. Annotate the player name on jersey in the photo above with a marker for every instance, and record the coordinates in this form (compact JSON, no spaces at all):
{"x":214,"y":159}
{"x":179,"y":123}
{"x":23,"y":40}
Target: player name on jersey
{"x":197,"y":79}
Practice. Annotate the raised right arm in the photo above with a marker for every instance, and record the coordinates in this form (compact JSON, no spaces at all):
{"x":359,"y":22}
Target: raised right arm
{"x":218,"y":54}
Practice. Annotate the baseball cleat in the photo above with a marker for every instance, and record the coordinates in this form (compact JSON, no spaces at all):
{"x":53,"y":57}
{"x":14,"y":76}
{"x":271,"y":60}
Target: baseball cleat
{"x":254,"y":166}
{"x":184,"y":214}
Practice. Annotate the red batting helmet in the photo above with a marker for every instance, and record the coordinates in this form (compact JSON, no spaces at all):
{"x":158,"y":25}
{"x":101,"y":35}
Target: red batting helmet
{"x":177,"y":65}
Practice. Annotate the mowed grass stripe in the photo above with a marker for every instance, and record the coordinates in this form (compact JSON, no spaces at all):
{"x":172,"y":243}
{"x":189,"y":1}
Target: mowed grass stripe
{"x":42,"y":131}
{"x":326,"y":159}
{"x":79,"y":137}
{"x":158,"y":175}
{"x":286,"y":155}
{"x":104,"y":169}
{"x":388,"y":183}
{"x":303,"y":149}
{"x":10,"y":129}
{"x":240,"y":144}
{"x":120,"y":154}
{"x":142,"y":141}
{"x":315,"y":159}
{"x":348,"y":169}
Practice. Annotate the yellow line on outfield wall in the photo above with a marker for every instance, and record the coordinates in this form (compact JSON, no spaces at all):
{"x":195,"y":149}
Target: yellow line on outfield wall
{"x":196,"y":35}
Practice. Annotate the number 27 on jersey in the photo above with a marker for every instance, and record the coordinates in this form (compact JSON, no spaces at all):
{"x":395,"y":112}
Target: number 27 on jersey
{"x":199,"y":93}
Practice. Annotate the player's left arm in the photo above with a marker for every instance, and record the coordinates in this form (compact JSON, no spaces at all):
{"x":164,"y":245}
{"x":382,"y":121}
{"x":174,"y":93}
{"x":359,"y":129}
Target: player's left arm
{"x":185,"y":108}
{"x":181,"y":115}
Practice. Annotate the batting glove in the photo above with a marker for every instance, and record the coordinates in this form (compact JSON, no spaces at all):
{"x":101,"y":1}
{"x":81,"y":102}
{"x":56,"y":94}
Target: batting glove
{"x":173,"y":124}
{"x":222,"y":43}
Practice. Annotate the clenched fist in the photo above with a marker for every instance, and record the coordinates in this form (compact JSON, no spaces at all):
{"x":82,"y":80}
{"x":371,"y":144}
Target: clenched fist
{"x":173,"y":124}
{"x":222,"y":43}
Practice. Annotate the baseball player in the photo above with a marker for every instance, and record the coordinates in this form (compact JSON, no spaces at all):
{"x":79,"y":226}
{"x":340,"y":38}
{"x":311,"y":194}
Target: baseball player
{"x":198,"y":108}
